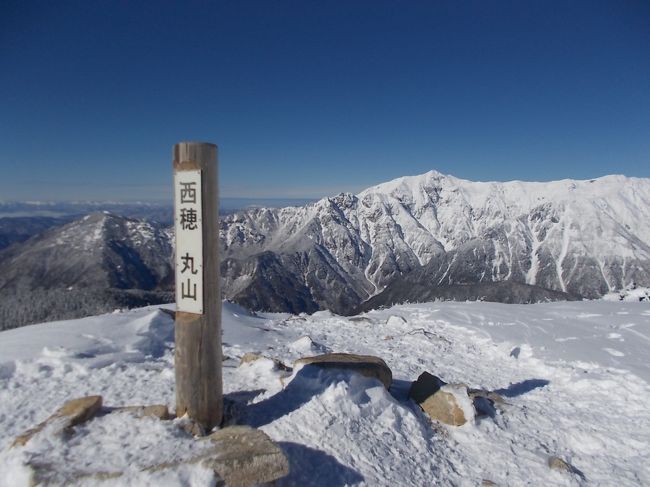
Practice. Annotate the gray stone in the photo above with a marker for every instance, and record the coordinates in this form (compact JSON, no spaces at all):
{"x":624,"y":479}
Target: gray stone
{"x":250,"y":357}
{"x":438,"y":404}
{"x":72,"y":413}
{"x":443,"y":406}
{"x":556,"y":463}
{"x":366,"y":365}
{"x":245,"y":457}
{"x":159,"y":411}
{"x":360,"y":319}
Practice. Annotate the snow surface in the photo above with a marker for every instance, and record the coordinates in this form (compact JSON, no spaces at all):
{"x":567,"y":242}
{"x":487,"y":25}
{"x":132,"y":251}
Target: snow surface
{"x":634,"y":294}
{"x":575,"y":377}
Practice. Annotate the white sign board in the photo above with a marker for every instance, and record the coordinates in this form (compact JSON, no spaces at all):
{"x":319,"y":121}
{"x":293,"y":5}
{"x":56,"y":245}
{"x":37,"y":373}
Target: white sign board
{"x":188,"y":225}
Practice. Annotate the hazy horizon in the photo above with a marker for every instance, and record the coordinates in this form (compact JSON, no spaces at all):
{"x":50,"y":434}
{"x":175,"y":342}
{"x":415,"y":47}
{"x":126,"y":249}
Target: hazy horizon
{"x":112,"y":194}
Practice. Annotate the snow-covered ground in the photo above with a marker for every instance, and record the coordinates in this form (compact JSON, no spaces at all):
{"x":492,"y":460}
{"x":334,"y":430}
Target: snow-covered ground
{"x":575,"y":377}
{"x":633,"y":294}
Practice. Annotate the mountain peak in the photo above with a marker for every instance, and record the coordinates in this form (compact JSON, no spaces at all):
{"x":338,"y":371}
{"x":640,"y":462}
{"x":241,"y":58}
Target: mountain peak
{"x":406,"y":184}
{"x":98,"y":248}
{"x":572,"y":236}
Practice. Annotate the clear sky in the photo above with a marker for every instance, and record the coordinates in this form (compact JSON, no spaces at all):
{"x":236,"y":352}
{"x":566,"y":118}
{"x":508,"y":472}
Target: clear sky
{"x":310,"y":98}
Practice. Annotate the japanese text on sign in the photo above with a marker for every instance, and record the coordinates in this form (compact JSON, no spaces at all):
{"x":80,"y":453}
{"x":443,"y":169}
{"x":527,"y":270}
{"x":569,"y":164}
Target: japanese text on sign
{"x":189,"y":241}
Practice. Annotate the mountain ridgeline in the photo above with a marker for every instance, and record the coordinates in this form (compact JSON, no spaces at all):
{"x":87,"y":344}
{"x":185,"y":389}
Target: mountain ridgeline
{"x":436,"y":236}
{"x":92,"y":265}
{"x":416,"y":238}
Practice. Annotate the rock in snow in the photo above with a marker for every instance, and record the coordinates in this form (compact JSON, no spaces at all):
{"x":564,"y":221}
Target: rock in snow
{"x":72,"y":413}
{"x":556,"y":463}
{"x":246,"y":457}
{"x":250,"y":357}
{"x":447,"y":403}
{"x":365,"y":365}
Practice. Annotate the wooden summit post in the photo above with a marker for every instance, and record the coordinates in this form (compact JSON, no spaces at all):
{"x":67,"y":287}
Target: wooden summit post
{"x":199,"y":390}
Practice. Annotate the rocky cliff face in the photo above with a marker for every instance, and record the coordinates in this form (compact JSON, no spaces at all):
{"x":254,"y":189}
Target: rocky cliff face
{"x":578,"y":237}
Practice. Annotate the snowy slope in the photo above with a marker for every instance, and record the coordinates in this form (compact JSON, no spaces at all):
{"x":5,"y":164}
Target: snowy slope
{"x":582,"y":237}
{"x":575,"y":376}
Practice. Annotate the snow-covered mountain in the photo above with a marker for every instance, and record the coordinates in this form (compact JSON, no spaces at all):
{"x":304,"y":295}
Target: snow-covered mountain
{"x":93,"y":264}
{"x":585,"y":238}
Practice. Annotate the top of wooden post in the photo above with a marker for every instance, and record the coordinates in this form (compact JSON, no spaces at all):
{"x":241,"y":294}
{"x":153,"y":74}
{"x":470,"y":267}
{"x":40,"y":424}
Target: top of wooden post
{"x":194,"y":142}
{"x":193,"y":155}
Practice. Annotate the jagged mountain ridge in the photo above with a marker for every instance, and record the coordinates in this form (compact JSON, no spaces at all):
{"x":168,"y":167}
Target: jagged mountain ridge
{"x":580,"y":237}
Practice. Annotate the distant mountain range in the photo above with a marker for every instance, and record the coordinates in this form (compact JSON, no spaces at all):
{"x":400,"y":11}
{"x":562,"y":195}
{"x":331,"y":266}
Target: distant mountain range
{"x":152,"y":211}
{"x":159,"y":212}
{"x":405,"y":239}
{"x":416,"y":238}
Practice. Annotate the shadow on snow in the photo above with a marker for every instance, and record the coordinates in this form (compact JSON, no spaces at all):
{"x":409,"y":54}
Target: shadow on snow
{"x":520,"y":388}
{"x":308,"y":382}
{"x":308,"y":466}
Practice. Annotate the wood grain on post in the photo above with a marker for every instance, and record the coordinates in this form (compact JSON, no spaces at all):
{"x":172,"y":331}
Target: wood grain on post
{"x":198,"y":356}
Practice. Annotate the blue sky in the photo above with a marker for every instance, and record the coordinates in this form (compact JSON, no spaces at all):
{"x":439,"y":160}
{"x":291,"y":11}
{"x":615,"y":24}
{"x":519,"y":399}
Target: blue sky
{"x":310,"y":98}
